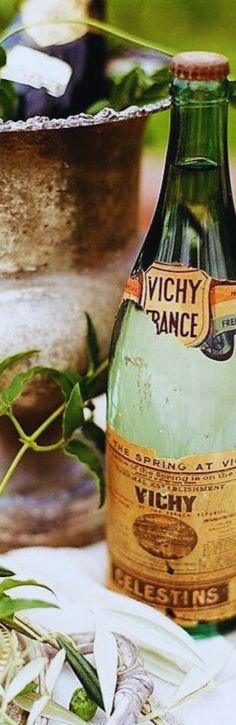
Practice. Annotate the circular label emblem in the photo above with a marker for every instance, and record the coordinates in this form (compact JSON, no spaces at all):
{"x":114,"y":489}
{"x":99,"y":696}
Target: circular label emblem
{"x":167,"y":538}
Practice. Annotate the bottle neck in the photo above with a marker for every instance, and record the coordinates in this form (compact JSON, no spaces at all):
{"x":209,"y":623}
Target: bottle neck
{"x":194,"y":222}
{"x":198,"y":134}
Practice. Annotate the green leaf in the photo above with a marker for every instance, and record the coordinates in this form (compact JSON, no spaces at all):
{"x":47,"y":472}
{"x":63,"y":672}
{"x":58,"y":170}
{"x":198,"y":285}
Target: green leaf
{"x":135,"y":87}
{"x":161,"y":74}
{"x":68,"y":378}
{"x":9,"y":606}
{"x":84,"y":671}
{"x":53,"y":711}
{"x":139,"y":87}
{"x":3,"y":56}
{"x":92,"y":346}
{"x":72,"y":376}
{"x":95,"y":434}
{"x":24,"y":677}
{"x":93,"y":385}
{"x":125,"y":90}
{"x":64,"y":380}
{"x":98,"y":106}
{"x":14,"y":390}
{"x":14,"y":583}
{"x":85,"y":455}
{"x":8,"y":101}
{"x":22,"y":626}
{"x":153,"y":94}
{"x":32,"y":687}
{"x":73,"y":417}
{"x":131,"y":88}
{"x":8,"y":362}
{"x":6,"y":572}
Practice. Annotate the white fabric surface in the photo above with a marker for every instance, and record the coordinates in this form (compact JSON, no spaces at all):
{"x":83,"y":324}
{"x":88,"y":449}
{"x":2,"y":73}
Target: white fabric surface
{"x":78,"y":576}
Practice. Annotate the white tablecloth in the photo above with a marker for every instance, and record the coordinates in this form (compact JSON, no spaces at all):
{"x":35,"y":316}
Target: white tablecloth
{"x":78,"y":576}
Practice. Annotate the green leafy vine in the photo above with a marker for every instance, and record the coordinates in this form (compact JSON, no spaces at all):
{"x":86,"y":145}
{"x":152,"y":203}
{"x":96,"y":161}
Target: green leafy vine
{"x":81,"y":438}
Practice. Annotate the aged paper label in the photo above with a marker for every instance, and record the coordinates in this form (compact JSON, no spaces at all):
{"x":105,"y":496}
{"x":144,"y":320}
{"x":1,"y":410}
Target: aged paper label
{"x":186,"y":302}
{"x":177,"y":299}
{"x":172,"y":530}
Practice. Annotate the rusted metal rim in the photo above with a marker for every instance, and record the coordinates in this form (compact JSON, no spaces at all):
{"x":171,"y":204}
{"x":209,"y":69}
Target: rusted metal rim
{"x":107,"y":115}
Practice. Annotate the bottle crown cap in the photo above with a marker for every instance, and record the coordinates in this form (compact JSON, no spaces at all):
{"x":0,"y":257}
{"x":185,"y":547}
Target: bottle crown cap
{"x":200,"y":66}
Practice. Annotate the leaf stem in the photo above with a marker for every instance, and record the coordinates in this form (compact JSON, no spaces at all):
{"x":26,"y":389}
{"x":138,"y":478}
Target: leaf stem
{"x":32,"y":631}
{"x":102,"y":367}
{"x":56,"y":414}
{"x":43,"y":449}
{"x":90,"y":381}
{"x":97,"y":25}
{"x":13,"y":466}
{"x":27,"y":445}
{"x":17,"y":425}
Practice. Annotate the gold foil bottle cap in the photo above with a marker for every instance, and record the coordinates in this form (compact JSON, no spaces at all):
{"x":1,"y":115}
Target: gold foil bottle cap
{"x":200,"y":66}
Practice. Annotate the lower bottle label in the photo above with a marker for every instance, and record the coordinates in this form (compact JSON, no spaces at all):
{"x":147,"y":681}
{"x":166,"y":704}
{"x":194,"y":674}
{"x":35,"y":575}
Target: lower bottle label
{"x":172,"y":530}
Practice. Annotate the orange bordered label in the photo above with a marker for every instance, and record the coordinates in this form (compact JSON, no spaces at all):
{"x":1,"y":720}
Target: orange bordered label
{"x":186,"y":302}
{"x":177,"y":300}
{"x":172,"y":530}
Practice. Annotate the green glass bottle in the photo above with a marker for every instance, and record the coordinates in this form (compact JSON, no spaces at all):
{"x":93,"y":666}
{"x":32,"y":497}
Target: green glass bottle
{"x":171,"y":451}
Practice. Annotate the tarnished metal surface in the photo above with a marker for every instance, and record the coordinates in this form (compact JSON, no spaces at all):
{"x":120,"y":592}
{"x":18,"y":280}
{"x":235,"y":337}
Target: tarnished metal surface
{"x":68,"y":236}
{"x":107,"y":115}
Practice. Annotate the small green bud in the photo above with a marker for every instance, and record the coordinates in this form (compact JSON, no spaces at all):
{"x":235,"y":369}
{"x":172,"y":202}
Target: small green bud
{"x":82,"y":706}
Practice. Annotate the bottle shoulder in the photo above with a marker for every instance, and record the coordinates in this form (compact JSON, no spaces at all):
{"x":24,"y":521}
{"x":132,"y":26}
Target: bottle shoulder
{"x":194,"y":224}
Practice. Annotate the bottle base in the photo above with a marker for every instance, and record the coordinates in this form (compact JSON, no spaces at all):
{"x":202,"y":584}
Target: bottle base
{"x":197,"y":629}
{"x":203,"y":630}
